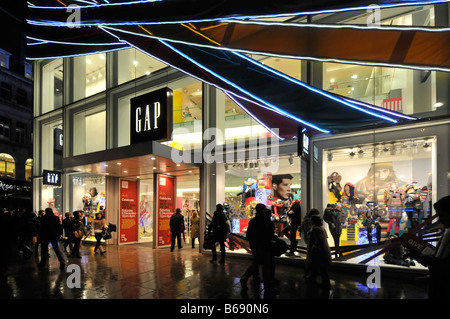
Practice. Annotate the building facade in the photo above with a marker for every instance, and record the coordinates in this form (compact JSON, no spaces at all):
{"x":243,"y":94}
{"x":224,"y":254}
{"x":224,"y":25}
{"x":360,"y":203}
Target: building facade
{"x":89,"y":109}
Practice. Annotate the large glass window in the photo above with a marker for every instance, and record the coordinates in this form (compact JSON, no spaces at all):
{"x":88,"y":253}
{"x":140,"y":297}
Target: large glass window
{"x":89,"y":75}
{"x":52,"y":75}
{"x":89,"y":130}
{"x":274,"y":182}
{"x":381,"y":189}
{"x":402,"y":90}
{"x":146,"y":210}
{"x":132,"y":63}
{"x":51,"y":147}
{"x":87,"y":192}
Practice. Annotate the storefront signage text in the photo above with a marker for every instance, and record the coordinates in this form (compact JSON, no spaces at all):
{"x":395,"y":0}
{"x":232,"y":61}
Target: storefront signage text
{"x":151,"y":116}
{"x":52,"y":178}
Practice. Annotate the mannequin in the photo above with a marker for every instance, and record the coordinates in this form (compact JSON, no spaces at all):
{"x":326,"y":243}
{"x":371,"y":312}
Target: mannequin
{"x":413,"y":204}
{"x":334,"y":188}
{"x":394,"y":202}
{"x":335,"y":219}
{"x":349,"y":200}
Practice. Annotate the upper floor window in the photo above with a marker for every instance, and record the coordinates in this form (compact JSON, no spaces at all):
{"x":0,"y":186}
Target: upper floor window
{"x":7,"y":166}
{"x":5,"y":128}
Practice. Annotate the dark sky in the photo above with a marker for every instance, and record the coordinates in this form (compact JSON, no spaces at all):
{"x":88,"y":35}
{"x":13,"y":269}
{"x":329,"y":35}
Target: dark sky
{"x":12,"y":37}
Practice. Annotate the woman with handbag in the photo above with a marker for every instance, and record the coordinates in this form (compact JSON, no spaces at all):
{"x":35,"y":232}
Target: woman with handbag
{"x":99,"y":226}
{"x":195,"y":228}
{"x":78,"y":233}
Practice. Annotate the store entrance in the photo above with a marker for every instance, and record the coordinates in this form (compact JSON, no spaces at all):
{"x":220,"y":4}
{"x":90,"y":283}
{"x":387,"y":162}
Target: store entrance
{"x":187,"y":199}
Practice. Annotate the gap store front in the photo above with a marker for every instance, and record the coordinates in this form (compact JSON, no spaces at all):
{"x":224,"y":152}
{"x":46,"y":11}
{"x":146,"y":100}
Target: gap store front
{"x":141,"y":130}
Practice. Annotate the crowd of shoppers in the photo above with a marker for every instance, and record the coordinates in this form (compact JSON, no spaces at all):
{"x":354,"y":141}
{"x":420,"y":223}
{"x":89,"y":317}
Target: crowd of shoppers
{"x":24,"y":233}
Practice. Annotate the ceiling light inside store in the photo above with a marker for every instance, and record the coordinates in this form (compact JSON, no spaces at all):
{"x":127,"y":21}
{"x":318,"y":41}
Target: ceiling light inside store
{"x":360,"y":153}
{"x":352,"y":154}
{"x":330,"y":156}
{"x":354,"y":76}
{"x":291,"y":160}
{"x":439,"y":104}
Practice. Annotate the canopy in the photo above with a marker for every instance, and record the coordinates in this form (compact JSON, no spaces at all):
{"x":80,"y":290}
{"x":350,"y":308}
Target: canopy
{"x":212,"y":52}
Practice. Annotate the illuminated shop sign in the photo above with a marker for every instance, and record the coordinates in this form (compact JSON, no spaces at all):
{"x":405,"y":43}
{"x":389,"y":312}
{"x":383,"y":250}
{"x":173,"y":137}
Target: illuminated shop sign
{"x":151,"y":116}
{"x":52,"y":178}
{"x":304,"y":138}
{"x":12,"y":188}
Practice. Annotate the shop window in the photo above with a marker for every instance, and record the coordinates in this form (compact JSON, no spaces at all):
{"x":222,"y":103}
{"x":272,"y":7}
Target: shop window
{"x":51,"y":85}
{"x":146,"y":210}
{"x":29,"y":169}
{"x":390,"y":181}
{"x":274,"y":182}
{"x":132,"y":64}
{"x":51,"y":145}
{"x":89,"y":76}
{"x":89,"y":130}
{"x":7,"y":166}
{"x":88,"y":193}
{"x":51,"y":197}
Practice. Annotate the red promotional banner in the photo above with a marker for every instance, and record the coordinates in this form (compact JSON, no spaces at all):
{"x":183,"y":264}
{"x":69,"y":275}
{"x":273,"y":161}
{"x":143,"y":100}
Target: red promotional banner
{"x":165,"y":207}
{"x":128,"y":211}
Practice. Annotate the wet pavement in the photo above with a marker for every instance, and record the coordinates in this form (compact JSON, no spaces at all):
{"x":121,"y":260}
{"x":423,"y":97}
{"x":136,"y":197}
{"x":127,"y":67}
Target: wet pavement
{"x":137,"y":271}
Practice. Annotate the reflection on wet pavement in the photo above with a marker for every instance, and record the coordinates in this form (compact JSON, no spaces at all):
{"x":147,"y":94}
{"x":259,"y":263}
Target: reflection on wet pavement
{"x":137,"y":271}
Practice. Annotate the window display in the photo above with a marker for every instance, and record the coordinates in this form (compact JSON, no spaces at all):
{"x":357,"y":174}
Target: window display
{"x":386,"y":189}
{"x":146,"y":211}
{"x":88,"y":194}
{"x":246,"y":186}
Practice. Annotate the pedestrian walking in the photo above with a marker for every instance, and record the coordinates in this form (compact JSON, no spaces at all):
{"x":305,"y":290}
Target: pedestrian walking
{"x":99,"y":225}
{"x":67,"y":226}
{"x":50,"y":232}
{"x":41,"y":213}
{"x":29,"y":228}
{"x":439,"y":262}
{"x":295,"y":217}
{"x":78,"y":233}
{"x":176,"y":228}
{"x":195,"y":228}
{"x":260,"y":232}
{"x":219,"y":228}
{"x":318,"y":252}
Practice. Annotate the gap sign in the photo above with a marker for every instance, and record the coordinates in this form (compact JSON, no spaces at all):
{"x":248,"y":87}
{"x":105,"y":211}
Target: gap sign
{"x":151,"y":116}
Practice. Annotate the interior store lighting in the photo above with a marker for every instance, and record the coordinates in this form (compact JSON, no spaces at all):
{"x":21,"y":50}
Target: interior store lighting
{"x":360,"y":153}
{"x":291,"y":160}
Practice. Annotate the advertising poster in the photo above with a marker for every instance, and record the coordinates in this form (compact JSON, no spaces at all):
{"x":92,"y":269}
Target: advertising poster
{"x":129,"y":217}
{"x":165,"y":207}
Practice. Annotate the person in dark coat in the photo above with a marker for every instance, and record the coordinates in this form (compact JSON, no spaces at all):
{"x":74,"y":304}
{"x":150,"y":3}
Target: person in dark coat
{"x":295,"y":217}
{"x":77,"y":226}
{"x":260,"y":232}
{"x":6,"y":238}
{"x":438,"y":263}
{"x":318,"y":252}
{"x":50,"y":232}
{"x":219,"y":228}
{"x":29,"y":228}
{"x":334,"y":218}
{"x":176,"y":228}
{"x":67,"y":226}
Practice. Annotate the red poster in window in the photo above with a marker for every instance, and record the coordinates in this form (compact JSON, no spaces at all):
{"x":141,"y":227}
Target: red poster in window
{"x":128,"y":211}
{"x":166,"y":201}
